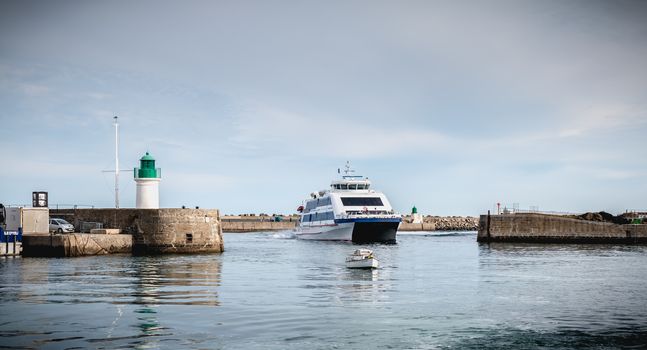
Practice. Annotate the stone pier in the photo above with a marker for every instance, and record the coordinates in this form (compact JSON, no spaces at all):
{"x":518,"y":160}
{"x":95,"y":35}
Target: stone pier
{"x":545,"y":228}
{"x":75,"y":244}
{"x":153,"y":231}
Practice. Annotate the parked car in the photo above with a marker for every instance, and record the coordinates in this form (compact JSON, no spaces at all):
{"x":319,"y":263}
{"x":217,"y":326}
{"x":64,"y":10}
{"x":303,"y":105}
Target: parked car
{"x":60,"y":226}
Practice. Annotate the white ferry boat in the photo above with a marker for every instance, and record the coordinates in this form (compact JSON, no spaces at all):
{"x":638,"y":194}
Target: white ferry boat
{"x":349,"y":211}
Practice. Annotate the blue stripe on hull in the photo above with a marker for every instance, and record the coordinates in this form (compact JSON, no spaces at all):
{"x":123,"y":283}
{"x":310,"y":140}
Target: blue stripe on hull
{"x":338,"y":221}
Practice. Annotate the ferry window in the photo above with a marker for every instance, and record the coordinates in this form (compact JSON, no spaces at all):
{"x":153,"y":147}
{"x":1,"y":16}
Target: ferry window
{"x":311,"y":205}
{"x":362,"y":201}
{"x":344,"y":187}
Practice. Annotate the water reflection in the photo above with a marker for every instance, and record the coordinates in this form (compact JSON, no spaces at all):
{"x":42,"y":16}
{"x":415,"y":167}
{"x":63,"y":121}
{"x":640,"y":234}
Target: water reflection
{"x":328,"y":279}
{"x":429,"y":292}
{"x":567,"y":287}
{"x":177,"y":281}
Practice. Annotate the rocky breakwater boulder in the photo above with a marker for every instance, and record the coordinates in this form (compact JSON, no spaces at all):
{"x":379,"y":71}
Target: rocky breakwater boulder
{"x":603,"y":216}
{"x":440,"y":223}
{"x":453,"y":223}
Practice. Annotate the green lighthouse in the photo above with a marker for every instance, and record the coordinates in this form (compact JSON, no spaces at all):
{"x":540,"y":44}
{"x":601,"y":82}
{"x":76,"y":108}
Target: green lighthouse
{"x":147,"y":168}
{"x":147,"y":177}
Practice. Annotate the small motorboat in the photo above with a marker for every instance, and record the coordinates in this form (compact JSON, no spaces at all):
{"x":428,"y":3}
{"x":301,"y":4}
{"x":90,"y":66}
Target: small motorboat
{"x":362,"y":259}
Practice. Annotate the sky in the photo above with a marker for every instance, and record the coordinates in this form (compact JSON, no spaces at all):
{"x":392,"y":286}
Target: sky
{"x":249,"y":106}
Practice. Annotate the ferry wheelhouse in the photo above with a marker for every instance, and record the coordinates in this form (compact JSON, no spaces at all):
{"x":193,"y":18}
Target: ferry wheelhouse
{"x":349,"y":211}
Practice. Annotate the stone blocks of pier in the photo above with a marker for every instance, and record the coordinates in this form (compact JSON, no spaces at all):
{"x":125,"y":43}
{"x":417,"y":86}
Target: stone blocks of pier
{"x":157,"y":231}
{"x":178,"y":231}
{"x":75,"y":244}
{"x":544,"y":228}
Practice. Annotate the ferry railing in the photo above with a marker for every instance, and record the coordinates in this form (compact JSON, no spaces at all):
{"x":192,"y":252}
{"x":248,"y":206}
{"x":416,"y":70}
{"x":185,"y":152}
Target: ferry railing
{"x":361,"y":215}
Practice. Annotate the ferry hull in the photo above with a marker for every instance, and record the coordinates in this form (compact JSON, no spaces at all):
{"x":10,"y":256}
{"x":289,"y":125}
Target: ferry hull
{"x":369,"y":232}
{"x":341,"y":232}
{"x":357,"y":232}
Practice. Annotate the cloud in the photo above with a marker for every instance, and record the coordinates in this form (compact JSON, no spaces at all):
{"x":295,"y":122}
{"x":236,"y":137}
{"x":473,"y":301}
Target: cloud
{"x":263,"y":129}
{"x":618,"y":174}
{"x":532,"y":94}
{"x":35,"y":90}
{"x":603,"y":118}
{"x":41,"y":167}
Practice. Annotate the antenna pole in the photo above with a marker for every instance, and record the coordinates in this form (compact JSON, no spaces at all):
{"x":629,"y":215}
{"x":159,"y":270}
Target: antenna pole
{"x":116,"y":163}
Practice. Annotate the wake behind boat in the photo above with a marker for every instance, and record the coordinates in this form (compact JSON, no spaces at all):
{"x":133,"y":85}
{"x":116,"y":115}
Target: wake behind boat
{"x":348,"y":211}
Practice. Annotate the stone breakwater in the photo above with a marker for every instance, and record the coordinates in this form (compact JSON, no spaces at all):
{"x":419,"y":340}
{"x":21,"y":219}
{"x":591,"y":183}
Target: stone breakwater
{"x":75,"y":244}
{"x":544,"y":228}
{"x":156,"y":231}
{"x":233,"y":223}
{"x":440,"y":223}
{"x":253,"y":223}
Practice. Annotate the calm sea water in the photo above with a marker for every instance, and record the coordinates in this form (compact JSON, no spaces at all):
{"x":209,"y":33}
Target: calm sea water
{"x":271,"y":291}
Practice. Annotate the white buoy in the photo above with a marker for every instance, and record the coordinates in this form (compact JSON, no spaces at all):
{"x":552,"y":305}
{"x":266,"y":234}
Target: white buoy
{"x":148,"y":179}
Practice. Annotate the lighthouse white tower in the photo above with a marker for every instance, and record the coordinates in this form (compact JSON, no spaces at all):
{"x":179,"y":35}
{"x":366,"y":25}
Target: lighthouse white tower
{"x":148,"y":180}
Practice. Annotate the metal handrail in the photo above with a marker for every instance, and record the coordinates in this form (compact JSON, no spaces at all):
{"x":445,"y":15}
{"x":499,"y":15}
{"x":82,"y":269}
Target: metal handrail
{"x":548,"y":212}
{"x":71,"y":206}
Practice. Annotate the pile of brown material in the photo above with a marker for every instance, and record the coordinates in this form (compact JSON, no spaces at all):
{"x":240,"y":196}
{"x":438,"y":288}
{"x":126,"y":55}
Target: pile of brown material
{"x":603,"y":217}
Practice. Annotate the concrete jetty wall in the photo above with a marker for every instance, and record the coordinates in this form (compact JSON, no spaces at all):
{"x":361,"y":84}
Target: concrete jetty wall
{"x":157,"y":231}
{"x":407,"y":226}
{"x":265,"y":223}
{"x":544,"y":228}
{"x":69,"y":245}
{"x":255,"y":226}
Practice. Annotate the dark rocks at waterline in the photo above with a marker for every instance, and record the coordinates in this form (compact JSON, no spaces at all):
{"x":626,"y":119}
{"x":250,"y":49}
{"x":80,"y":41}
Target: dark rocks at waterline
{"x":603,"y":216}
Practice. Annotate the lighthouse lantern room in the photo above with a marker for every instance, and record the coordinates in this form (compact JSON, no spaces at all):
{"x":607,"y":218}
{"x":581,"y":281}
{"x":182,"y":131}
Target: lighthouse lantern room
{"x":148,"y":179}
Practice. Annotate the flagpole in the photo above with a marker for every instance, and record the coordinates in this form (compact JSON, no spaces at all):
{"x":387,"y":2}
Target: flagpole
{"x":116,"y":163}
